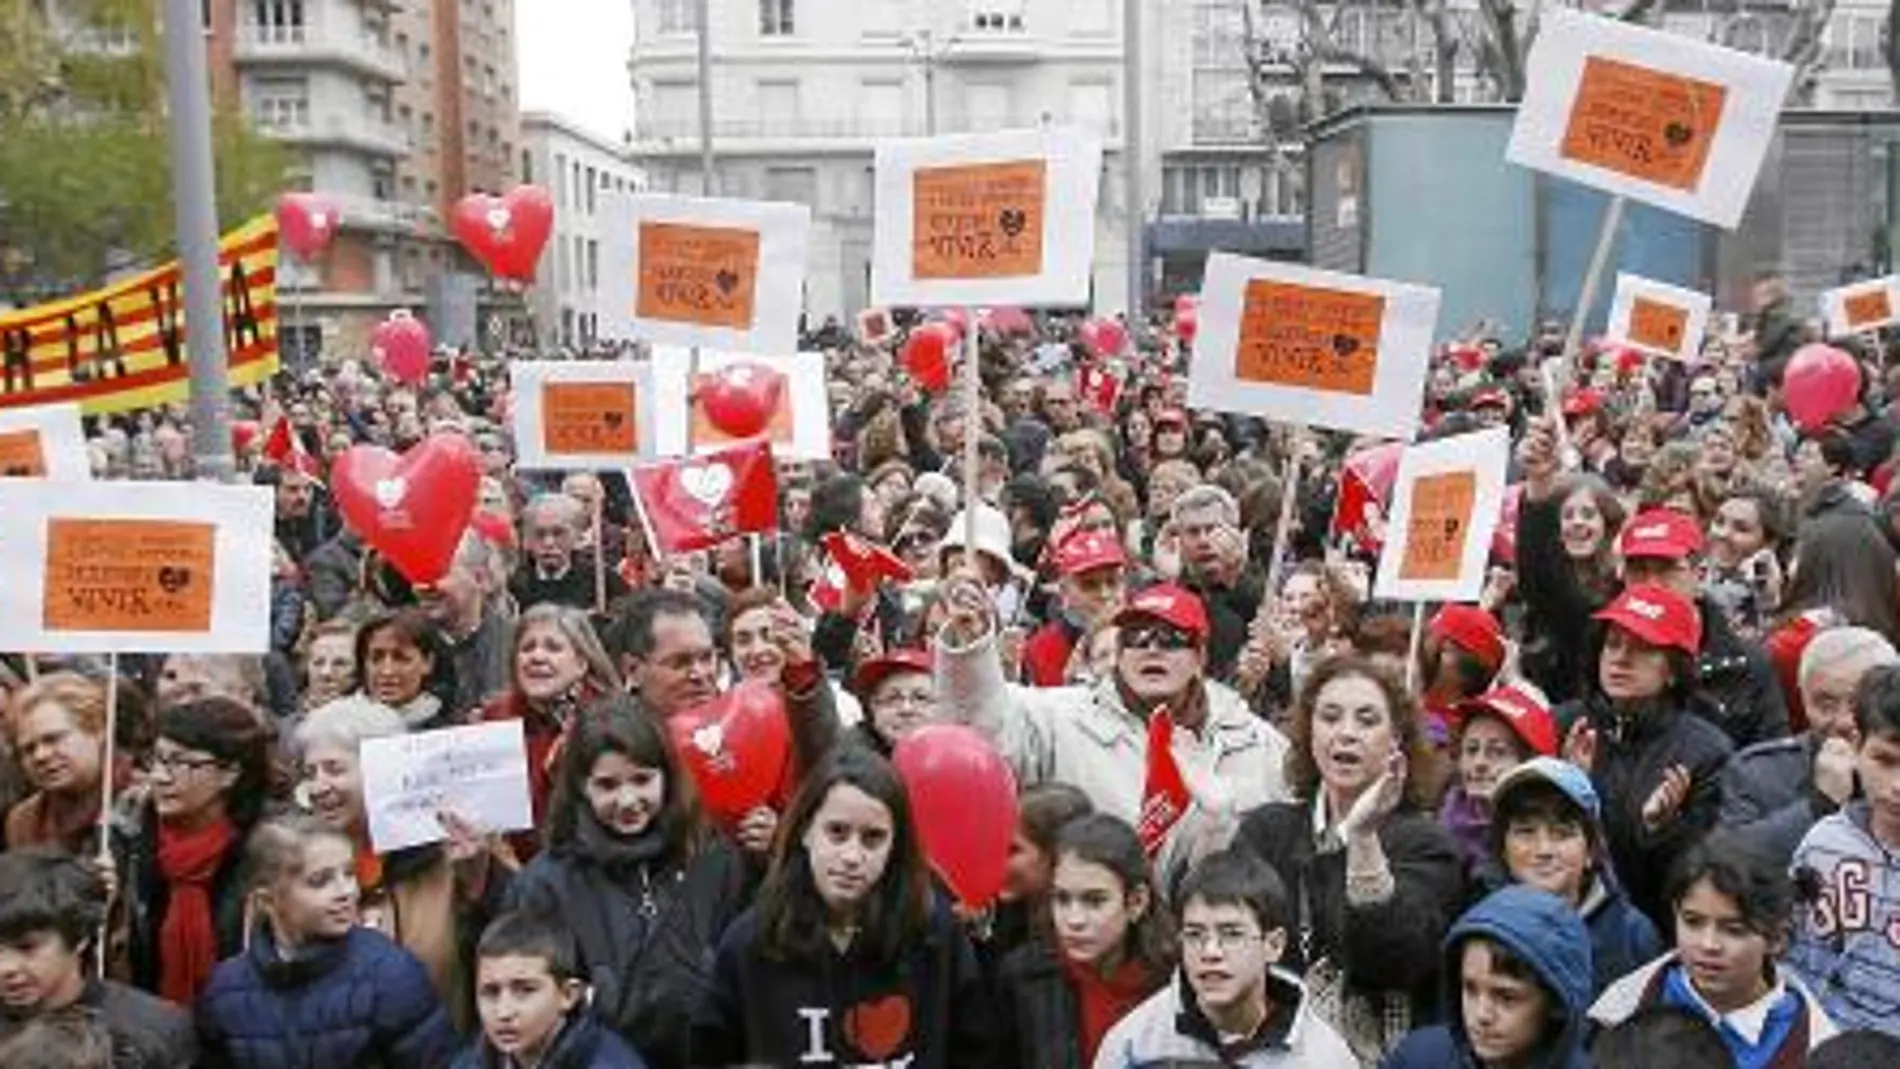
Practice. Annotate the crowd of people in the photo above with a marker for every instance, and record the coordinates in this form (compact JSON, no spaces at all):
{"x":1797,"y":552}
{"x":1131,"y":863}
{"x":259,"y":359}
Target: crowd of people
{"x":1637,"y":806}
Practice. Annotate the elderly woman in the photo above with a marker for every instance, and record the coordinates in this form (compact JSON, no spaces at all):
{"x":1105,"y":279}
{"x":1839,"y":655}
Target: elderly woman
{"x":56,"y":729}
{"x":1374,"y":877}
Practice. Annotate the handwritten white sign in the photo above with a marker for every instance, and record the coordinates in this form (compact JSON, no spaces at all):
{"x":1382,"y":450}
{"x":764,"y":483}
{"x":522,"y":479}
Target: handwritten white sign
{"x":478,"y":773}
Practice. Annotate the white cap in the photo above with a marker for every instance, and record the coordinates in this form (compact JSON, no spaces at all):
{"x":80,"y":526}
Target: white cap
{"x":992,"y":536}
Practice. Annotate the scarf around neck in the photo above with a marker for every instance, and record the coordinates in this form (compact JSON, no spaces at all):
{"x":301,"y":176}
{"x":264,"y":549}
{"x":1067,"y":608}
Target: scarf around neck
{"x":189,"y":860}
{"x":613,"y":853}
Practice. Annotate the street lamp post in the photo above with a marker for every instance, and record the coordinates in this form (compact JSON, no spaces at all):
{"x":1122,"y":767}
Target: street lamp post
{"x":703,"y":16}
{"x":1131,"y":155}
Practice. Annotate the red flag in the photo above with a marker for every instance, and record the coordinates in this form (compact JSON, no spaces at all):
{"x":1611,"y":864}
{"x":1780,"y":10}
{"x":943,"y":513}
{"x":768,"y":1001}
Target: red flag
{"x":864,"y":563}
{"x":1164,"y":794}
{"x":1099,"y":387}
{"x":284,"y":448}
{"x":700,"y":502}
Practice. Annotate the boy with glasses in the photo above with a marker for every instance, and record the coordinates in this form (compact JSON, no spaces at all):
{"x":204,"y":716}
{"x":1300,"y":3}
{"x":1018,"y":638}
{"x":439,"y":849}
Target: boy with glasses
{"x":1231,"y":1004}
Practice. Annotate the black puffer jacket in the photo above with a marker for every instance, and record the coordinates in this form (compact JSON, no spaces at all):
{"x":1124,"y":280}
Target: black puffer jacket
{"x":1634,"y":747}
{"x":146,"y":895}
{"x":647,"y":932}
{"x":1738,"y":682}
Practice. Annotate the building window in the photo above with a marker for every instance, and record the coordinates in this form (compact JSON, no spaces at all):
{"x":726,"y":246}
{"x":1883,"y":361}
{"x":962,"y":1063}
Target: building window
{"x":527,"y":166}
{"x":592,"y":178}
{"x":997,"y":16}
{"x":775,"y":18}
{"x":382,"y":181}
{"x":676,"y":16}
{"x":794,"y":185}
{"x":881,"y":108}
{"x":778,"y":107}
{"x":281,"y":104}
{"x":593,"y":264}
{"x":560,"y":180}
{"x":278,"y":20}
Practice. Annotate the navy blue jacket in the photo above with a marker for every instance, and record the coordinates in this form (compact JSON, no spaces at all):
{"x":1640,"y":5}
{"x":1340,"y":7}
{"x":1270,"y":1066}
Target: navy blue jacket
{"x":1539,"y":929}
{"x":583,"y":1044}
{"x":361,"y":1002}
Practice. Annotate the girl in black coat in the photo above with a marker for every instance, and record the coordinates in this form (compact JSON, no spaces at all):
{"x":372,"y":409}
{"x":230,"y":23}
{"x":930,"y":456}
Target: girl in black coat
{"x":847,"y":957}
{"x":1104,"y":945}
{"x":630,"y":866}
{"x":1375,"y":879}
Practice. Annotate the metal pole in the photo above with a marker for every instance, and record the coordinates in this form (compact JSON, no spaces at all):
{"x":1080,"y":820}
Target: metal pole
{"x":1131,"y":158}
{"x":703,"y":15}
{"x":195,"y":208}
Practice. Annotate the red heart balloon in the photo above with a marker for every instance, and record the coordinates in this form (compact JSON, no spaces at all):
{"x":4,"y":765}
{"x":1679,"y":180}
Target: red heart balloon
{"x":736,"y":747}
{"x":741,"y":398}
{"x":400,"y":345}
{"x":926,"y":355}
{"x":412,"y":509}
{"x":306,"y":222}
{"x":506,"y":233}
{"x":1187,"y":324}
{"x":1821,"y":383}
{"x":963,"y":799}
{"x":1104,"y":337}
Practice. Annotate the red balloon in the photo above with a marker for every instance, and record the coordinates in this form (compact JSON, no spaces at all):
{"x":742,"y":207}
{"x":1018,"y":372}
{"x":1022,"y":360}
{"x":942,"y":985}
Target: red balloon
{"x":400,"y":345}
{"x":1821,"y":382}
{"x":736,"y":747}
{"x":411,"y":508}
{"x":243,"y":435}
{"x":1187,"y":304}
{"x":926,"y":355}
{"x":306,"y":222}
{"x":507,"y":233}
{"x":963,"y":799}
{"x":1188,"y":323}
{"x":741,"y":398}
{"x":1104,"y":337}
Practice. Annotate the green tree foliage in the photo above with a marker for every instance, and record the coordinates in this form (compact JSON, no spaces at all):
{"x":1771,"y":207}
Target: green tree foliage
{"x":85,"y":158}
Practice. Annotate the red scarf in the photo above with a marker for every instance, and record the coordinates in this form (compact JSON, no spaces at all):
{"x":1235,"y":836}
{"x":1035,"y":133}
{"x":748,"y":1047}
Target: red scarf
{"x":1100,"y":1000}
{"x":187,"y":937}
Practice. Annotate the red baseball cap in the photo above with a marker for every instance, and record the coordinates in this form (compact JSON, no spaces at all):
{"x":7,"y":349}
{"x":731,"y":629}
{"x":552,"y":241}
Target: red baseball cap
{"x":1171,"y":415}
{"x":1085,"y":551}
{"x":1583,"y":402}
{"x":1170,"y":604}
{"x":1663,"y":533}
{"x":878,"y":669}
{"x":1492,"y":396}
{"x":1473,"y":630}
{"x":1529,"y":719}
{"x":1658,"y":616}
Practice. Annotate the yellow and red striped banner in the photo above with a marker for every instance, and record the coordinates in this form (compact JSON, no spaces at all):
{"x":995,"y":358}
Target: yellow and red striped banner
{"x":123,"y":347}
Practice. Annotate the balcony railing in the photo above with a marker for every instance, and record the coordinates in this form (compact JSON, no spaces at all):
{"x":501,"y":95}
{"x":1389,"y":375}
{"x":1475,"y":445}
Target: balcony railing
{"x":347,"y":130}
{"x":319,"y":44}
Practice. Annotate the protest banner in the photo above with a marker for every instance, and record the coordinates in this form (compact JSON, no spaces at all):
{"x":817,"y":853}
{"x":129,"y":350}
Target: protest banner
{"x":986,"y":219}
{"x":585,"y":414}
{"x":1316,"y":348}
{"x":109,"y":567}
{"x":724,"y":274}
{"x":1861,"y":306}
{"x":43,"y":442}
{"x":477,"y":773}
{"x":1648,"y":114}
{"x":123,"y":347}
{"x":790,"y":390}
{"x":1446,"y":505}
{"x":1657,"y":318}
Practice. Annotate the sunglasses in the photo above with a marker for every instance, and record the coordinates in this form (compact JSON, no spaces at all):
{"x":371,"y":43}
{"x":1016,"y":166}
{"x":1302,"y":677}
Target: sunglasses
{"x":1155,"y":637}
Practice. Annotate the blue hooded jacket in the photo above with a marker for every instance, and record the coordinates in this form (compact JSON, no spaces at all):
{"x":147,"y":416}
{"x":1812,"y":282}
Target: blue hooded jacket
{"x":1544,"y":932}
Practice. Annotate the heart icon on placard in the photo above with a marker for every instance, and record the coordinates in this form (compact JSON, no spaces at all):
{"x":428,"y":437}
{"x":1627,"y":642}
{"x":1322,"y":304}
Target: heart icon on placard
{"x":390,"y":492}
{"x":613,"y":419}
{"x":736,"y":747}
{"x":412,"y":508}
{"x":1677,"y":133}
{"x":1345,"y":344}
{"x":171,"y":579}
{"x":740,"y":399}
{"x":727,"y":281}
{"x":708,"y":483}
{"x":1012,"y":220}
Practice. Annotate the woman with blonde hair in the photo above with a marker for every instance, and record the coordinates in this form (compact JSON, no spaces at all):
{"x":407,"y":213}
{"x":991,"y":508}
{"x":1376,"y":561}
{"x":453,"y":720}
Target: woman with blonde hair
{"x":1090,"y":449}
{"x":56,"y":729}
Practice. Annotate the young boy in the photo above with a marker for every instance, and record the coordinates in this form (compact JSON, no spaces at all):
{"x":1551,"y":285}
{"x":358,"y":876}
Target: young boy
{"x":1732,"y":907}
{"x":533,"y":1003}
{"x":51,"y":907}
{"x":1845,"y":942}
{"x":1231,"y":1004}
{"x":1518,"y":986}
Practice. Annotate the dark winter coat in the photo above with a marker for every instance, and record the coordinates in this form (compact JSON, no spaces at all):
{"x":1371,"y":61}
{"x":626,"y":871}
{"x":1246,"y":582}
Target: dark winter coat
{"x":147,"y":894}
{"x":927,"y":1011}
{"x":1768,"y":794}
{"x":1557,"y":608}
{"x":1386,"y":947}
{"x":1037,"y":1012}
{"x":361,"y":1002}
{"x":147,"y":1032}
{"x":1634,"y":748}
{"x":646,"y":935}
{"x":583,"y":1043}
{"x":1736,"y":678}
{"x":1542,"y":931}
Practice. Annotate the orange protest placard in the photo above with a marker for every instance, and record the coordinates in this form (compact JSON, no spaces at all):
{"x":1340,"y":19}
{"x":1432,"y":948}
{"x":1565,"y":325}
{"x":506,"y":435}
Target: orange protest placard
{"x":129,"y":575}
{"x":980,"y":220}
{"x":1656,"y":325}
{"x":21,"y":454}
{"x":1439,"y":524}
{"x":1647,"y":124}
{"x":1312,"y":338}
{"x":589,"y":417}
{"x":704,"y":275}
{"x":1869,"y":308}
{"x":780,"y":431}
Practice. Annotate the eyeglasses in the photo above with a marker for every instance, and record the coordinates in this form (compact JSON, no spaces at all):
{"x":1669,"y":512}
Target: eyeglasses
{"x":177,"y":763}
{"x":1155,"y":637}
{"x":1227,"y":939}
